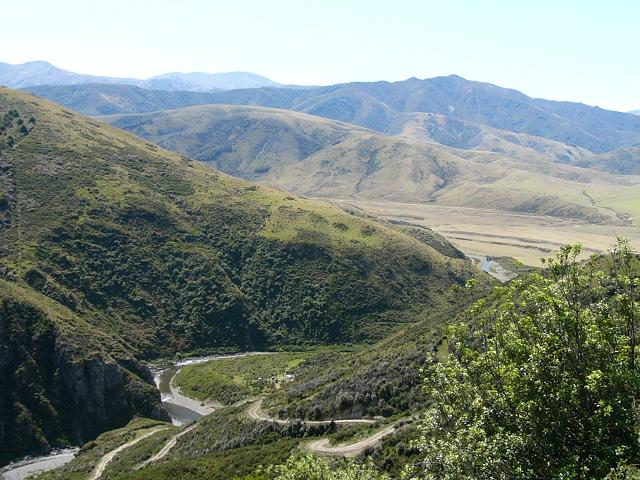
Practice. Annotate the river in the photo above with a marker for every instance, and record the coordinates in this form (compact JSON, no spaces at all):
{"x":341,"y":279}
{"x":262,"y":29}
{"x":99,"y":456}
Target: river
{"x":492,"y":267}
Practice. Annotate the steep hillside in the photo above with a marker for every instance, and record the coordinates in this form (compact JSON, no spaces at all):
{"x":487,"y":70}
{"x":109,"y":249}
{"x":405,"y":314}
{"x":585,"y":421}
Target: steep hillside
{"x":156,"y":254}
{"x":314,"y":156}
{"x":63,"y":379}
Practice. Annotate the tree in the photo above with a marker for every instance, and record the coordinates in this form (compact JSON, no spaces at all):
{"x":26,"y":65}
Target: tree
{"x":541,"y":380}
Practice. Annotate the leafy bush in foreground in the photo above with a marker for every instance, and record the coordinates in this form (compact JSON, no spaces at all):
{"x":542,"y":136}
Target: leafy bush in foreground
{"x":542,"y":382}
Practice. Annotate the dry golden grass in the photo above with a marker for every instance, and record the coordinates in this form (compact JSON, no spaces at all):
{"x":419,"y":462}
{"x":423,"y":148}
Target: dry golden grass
{"x":488,"y":232}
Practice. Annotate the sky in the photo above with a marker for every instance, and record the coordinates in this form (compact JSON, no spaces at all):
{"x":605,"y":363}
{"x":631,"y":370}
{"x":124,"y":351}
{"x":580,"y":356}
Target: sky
{"x":585,"y":50}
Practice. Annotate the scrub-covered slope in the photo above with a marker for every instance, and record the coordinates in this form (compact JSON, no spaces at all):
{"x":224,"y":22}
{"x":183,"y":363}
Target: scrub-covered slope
{"x":123,"y":250}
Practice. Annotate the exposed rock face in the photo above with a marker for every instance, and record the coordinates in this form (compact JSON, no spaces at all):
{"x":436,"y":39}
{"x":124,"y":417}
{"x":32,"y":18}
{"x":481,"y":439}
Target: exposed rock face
{"x":52,"y":392}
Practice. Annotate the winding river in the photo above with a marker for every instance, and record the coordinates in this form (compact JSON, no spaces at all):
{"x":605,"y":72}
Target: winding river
{"x":180,"y":408}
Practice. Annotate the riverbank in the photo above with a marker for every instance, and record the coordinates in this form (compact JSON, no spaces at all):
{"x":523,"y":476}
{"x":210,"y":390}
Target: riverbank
{"x":30,"y":466}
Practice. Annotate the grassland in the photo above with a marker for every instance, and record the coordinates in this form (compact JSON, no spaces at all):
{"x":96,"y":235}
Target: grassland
{"x":230,"y":380}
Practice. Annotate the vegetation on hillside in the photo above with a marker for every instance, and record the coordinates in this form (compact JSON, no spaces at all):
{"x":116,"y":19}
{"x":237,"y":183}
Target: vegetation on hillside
{"x":63,"y":380}
{"x":538,"y":380}
{"x":158,"y":254}
{"x":383,"y":379}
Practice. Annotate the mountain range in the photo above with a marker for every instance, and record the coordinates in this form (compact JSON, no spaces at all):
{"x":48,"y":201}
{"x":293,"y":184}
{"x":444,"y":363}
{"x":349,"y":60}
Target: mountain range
{"x":394,"y":108}
{"x":313,"y":156}
{"x":43,"y":73}
{"x":444,"y":140}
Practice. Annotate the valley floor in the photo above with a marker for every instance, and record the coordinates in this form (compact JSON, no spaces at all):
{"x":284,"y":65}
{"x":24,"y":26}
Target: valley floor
{"x":525,"y":237}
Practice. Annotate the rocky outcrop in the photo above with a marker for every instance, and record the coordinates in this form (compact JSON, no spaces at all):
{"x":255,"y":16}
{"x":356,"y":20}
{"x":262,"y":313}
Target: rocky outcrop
{"x":59,"y":389}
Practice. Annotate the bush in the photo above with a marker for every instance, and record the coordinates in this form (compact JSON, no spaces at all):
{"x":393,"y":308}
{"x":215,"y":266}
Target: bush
{"x":542,"y":381}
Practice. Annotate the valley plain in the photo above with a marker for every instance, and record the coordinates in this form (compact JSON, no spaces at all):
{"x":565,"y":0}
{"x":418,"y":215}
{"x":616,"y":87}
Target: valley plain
{"x":525,"y":237}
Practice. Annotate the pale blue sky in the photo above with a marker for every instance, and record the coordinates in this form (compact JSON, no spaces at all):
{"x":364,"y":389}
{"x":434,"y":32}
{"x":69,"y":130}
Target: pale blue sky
{"x":579,"y":50}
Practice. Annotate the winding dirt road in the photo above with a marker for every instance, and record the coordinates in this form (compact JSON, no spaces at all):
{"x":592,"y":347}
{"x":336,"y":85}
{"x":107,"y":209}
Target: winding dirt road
{"x":166,"y":447}
{"x":255,"y":412}
{"x":349,"y":449}
{"x":106,"y":459}
{"x":322,"y":445}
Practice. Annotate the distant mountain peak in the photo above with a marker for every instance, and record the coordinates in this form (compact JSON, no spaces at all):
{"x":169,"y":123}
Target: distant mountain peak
{"x":41,"y":72}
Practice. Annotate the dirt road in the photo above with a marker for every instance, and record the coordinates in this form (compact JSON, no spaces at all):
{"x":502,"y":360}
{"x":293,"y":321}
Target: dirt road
{"x":106,"y":459}
{"x":166,"y":448}
{"x":350,"y":449}
{"x":255,"y":412}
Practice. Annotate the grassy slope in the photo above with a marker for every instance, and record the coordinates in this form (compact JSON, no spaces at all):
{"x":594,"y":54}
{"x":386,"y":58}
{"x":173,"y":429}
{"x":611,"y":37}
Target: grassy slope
{"x":229,"y":380}
{"x":160,"y":254}
{"x":314,"y":156}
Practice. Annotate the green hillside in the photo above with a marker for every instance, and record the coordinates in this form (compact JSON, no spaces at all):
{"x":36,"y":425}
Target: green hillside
{"x":157,"y":254}
{"x":318,"y":157}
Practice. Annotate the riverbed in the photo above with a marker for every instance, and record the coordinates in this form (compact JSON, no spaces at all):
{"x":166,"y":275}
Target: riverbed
{"x":24,"y":468}
{"x":492,"y":267}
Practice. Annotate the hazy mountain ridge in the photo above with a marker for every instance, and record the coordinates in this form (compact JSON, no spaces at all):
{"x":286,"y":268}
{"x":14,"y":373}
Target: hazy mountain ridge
{"x":375,"y":105}
{"x":386,"y":106}
{"x":107,"y":99}
{"x":43,"y":73}
{"x":310,"y":155}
